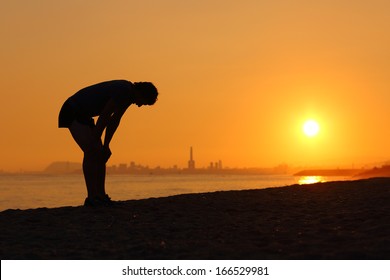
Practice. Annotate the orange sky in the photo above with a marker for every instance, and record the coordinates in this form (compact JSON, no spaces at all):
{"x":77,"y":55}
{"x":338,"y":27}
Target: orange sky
{"x":237,"y":79}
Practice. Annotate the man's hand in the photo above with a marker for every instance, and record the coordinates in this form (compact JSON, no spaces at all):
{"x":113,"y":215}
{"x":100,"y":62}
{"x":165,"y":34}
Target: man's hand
{"x":99,"y":151}
{"x":106,"y":153}
{"x":94,"y":146}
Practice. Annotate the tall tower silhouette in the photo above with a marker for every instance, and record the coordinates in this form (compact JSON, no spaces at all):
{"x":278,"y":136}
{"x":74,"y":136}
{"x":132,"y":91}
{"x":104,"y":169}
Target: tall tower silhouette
{"x":191,"y":162}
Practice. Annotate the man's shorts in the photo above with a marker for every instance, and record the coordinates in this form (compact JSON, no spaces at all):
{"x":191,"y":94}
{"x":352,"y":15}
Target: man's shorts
{"x":68,"y":115}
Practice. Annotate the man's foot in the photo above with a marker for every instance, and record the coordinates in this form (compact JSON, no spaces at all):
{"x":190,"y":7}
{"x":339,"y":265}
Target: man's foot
{"x":107,"y":200}
{"x":98,"y":201}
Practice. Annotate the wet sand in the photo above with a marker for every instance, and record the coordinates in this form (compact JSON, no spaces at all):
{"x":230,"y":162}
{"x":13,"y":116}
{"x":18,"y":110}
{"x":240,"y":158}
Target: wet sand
{"x":335,"y":220}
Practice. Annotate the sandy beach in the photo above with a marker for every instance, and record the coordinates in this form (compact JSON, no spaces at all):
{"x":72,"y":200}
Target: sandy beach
{"x":334,"y":220}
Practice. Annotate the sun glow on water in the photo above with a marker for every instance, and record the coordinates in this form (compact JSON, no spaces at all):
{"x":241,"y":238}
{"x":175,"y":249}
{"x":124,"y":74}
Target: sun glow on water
{"x":305,"y":180}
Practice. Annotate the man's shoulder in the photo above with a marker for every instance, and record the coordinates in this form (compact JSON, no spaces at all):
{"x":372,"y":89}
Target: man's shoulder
{"x":119,"y":82}
{"x":115,"y":83}
{"x":108,"y":86}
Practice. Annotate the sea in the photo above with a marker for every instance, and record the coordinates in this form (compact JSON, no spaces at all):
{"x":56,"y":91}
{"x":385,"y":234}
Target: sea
{"x":26,"y":191}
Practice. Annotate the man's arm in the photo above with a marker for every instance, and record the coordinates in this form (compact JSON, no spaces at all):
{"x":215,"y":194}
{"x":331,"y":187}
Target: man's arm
{"x":112,"y":125}
{"x":104,"y":118}
{"x":109,"y":120}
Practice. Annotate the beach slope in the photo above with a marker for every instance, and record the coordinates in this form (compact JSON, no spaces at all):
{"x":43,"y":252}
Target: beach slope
{"x":335,"y":220}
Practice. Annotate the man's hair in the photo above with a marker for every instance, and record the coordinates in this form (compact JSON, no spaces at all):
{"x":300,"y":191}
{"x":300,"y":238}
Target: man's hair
{"x":148,"y":90}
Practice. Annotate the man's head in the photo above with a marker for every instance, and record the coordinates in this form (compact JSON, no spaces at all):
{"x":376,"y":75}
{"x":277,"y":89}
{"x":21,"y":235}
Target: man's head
{"x":146,"y":93}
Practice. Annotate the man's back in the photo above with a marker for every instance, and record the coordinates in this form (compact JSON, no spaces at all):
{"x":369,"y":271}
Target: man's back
{"x":90,"y":101}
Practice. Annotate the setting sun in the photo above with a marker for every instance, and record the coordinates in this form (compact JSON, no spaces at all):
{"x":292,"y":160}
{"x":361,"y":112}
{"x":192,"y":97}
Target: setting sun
{"x":311,"y":128}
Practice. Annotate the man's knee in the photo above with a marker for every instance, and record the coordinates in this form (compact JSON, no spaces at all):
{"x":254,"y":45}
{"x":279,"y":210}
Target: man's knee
{"x":94,"y":153}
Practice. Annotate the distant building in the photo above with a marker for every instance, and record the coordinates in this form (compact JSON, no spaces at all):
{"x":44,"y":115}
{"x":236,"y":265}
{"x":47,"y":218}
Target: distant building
{"x":215,"y":165}
{"x":122,"y":168}
{"x":191,"y":162}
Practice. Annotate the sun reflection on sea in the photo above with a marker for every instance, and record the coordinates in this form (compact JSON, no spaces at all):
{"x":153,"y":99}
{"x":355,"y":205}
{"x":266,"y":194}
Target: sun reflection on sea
{"x":311,"y":180}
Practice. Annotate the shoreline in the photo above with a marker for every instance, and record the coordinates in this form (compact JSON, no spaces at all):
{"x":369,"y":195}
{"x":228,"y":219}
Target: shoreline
{"x":57,"y":191}
{"x":332,"y":220}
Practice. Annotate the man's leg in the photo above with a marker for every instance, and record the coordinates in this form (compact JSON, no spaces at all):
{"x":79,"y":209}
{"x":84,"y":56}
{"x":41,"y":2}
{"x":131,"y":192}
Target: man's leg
{"x":101,"y":176}
{"x":90,"y":170}
{"x":93,"y":160}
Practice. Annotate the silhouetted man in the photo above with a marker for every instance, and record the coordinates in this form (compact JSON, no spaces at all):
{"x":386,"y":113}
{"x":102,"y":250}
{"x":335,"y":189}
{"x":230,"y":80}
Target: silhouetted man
{"x":108,"y":101}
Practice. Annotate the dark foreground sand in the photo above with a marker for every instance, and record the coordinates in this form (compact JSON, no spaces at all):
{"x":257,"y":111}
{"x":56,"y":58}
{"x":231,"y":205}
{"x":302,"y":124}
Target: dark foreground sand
{"x":337,"y":220}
